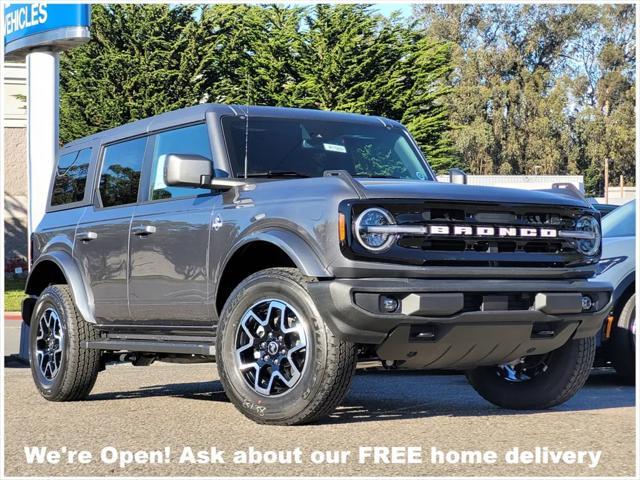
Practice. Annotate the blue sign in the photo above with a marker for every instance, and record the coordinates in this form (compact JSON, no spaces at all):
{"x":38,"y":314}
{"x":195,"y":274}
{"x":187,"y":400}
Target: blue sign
{"x":31,"y":25}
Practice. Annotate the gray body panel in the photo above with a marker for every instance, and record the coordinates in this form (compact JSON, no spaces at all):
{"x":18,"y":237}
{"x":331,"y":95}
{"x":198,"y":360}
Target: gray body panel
{"x":166,"y":279}
{"x":388,"y":188}
{"x":168,"y":271}
{"x":104,"y":260}
{"x":622,"y":274}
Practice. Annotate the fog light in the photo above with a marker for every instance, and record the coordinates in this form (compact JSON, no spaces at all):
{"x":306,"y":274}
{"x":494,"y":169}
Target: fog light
{"x":586,"y":303}
{"x":389,"y":304}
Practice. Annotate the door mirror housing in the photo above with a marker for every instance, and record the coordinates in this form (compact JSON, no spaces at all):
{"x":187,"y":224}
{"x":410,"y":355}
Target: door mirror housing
{"x":196,"y":171}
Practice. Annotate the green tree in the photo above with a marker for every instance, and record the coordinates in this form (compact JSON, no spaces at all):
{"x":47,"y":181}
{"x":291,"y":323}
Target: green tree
{"x":605,"y":122}
{"x":539,"y":88}
{"x":147,"y":59}
{"x":132,"y":68}
{"x":248,"y":54}
{"x":359,"y":61}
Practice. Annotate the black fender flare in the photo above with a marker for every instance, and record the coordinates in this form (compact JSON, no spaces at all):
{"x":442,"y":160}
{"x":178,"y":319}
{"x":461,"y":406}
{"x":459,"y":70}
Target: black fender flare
{"x":621,"y":288}
{"x":303,"y":255}
{"x":69,"y":268}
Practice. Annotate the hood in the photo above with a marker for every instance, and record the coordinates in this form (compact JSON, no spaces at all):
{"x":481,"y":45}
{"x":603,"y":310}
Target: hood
{"x":419,"y":189}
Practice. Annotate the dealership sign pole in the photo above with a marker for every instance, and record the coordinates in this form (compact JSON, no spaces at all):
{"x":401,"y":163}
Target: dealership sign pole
{"x":37,"y":32}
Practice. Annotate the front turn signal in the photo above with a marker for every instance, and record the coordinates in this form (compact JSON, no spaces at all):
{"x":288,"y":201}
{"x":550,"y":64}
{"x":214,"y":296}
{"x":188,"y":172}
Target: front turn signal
{"x":342,"y":228}
{"x":608,"y":327}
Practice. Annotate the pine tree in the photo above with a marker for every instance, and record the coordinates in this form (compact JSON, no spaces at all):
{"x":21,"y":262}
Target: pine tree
{"x":147,"y":59}
{"x":132,"y":68}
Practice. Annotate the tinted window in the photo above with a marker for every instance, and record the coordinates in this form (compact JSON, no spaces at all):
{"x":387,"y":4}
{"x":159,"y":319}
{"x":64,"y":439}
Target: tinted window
{"x":71,"y":177}
{"x":188,"y":140}
{"x":309,"y":147}
{"x":120,"y":176}
{"x":621,"y":222}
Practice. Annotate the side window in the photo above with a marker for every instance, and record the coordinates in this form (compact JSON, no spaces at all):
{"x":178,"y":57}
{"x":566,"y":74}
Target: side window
{"x":192,"y":140}
{"x":120,"y":176}
{"x":71,"y":177}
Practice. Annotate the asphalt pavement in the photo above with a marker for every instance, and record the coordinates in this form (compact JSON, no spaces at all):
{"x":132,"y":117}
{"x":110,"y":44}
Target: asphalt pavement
{"x":168,"y":413}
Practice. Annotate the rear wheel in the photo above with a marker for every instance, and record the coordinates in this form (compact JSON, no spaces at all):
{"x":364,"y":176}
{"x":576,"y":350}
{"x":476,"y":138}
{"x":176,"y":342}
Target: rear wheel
{"x":61,"y":367}
{"x":537,"y":381}
{"x":623,"y":342}
{"x":277,"y":359}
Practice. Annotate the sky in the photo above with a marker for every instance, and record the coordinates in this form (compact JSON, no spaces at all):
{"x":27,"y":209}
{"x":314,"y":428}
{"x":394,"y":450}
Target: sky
{"x":387,"y":8}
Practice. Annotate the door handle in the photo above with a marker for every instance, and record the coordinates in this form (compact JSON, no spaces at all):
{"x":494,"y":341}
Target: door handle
{"x":87,"y":236}
{"x":143,"y":230}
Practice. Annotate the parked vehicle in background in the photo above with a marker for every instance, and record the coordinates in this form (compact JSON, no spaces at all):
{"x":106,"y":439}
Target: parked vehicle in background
{"x":618,"y":266}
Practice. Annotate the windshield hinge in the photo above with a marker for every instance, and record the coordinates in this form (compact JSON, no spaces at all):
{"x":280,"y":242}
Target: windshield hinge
{"x":346,"y":176}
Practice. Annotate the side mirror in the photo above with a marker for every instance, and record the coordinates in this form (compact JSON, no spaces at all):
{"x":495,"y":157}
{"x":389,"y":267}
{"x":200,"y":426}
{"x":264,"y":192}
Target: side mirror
{"x":183,"y":170}
{"x":457,"y":175}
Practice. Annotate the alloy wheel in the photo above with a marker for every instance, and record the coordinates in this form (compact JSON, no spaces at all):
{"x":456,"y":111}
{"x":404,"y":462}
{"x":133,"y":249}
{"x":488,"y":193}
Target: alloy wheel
{"x":49,"y":343}
{"x":271,"y":347}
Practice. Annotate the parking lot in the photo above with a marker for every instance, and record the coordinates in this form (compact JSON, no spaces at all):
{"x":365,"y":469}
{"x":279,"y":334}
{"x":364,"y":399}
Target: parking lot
{"x":177,"y":406}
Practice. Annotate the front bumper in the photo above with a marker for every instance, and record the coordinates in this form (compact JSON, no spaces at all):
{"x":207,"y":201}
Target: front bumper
{"x":460,"y":324}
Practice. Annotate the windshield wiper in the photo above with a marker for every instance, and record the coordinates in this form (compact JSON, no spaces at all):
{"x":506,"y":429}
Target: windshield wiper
{"x":278,"y":173}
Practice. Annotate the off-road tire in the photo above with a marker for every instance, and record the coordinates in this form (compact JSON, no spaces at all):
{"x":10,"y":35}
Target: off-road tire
{"x":622,"y":347}
{"x":79,"y":366}
{"x":568,"y":370}
{"x":330,"y":363}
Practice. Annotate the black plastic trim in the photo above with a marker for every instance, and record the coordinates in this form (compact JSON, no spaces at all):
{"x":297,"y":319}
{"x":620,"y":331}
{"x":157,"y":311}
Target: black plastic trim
{"x":188,"y":348}
{"x":335,"y":302}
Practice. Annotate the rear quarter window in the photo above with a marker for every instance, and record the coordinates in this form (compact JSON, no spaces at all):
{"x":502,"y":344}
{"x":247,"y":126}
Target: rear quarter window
{"x":71,"y":177}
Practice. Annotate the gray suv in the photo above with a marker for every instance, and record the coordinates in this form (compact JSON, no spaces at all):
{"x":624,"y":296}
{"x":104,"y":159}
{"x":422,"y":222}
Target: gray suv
{"x":283,"y":244}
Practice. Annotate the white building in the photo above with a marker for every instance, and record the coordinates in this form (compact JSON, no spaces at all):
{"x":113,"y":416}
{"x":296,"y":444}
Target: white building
{"x":617,"y":196}
{"x":526,"y":182}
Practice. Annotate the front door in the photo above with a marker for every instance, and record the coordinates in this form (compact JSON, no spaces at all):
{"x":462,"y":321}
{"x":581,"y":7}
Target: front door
{"x":169,"y":240}
{"x":102,"y":235}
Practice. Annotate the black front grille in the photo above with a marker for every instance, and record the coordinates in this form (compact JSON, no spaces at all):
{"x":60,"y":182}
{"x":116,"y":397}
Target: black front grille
{"x":468,"y":250}
{"x":478,"y":245}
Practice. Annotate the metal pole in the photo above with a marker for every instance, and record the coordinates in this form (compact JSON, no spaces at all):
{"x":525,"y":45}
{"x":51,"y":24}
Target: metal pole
{"x":42,"y":129}
{"x":42,"y":144}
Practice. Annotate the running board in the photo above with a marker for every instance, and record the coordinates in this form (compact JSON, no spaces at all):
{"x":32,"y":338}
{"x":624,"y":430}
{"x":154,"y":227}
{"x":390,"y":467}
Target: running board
{"x":187,"y":348}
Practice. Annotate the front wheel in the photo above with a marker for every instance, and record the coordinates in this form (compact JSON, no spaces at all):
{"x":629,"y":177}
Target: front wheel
{"x":537,"y":381}
{"x":278,"y":360}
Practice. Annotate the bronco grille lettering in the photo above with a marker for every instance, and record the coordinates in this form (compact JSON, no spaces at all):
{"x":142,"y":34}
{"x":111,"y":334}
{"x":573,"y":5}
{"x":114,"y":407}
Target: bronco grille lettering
{"x":486,"y":231}
{"x":467,"y":231}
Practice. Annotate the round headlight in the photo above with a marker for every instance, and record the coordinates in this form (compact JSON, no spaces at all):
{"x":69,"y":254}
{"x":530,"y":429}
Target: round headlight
{"x":591,"y":225}
{"x":374,"y":241}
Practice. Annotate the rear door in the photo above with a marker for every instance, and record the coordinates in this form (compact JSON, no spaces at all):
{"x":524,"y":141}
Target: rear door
{"x":102,"y":234}
{"x":169,"y":242}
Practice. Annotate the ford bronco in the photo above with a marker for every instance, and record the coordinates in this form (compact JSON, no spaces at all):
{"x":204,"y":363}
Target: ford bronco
{"x":283,"y":243}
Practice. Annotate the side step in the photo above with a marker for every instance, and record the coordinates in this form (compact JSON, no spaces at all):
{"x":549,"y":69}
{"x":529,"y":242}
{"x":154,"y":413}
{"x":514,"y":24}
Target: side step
{"x":188,"y":348}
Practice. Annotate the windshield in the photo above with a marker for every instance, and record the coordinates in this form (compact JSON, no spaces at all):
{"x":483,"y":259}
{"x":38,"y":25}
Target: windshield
{"x":306,"y":148}
{"x":621,"y":222}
